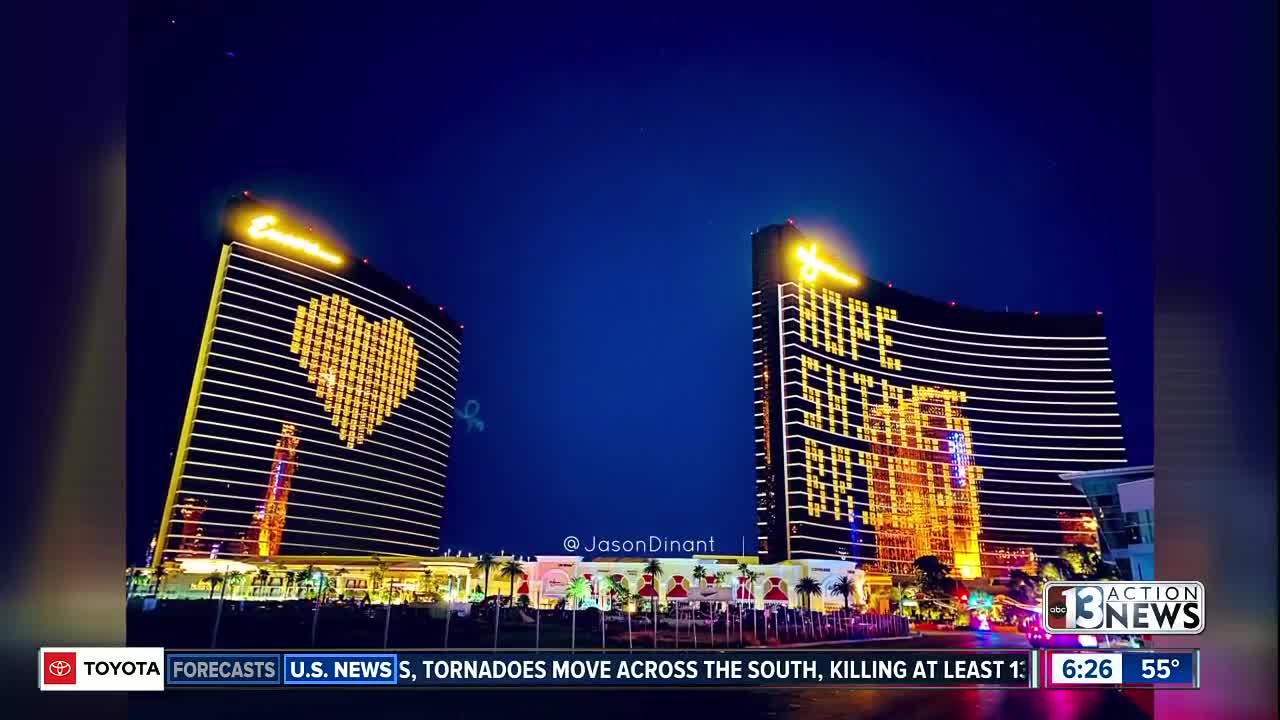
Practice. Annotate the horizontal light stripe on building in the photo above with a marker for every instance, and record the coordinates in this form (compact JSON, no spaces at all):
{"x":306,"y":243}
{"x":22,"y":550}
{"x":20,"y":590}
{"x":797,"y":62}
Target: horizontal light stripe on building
{"x":309,"y":464}
{"x":383,"y":429}
{"x":242,"y":526}
{"x":295,"y":516}
{"x":310,"y":478}
{"x":304,"y":491}
{"x":291,"y":359}
{"x":457,"y":344}
{"x":322,"y":443}
{"x":310,"y":395}
{"x":972,"y":451}
{"x":325,"y":429}
{"x":1081,"y":507}
{"x":429,"y":348}
{"x":881,"y":372}
{"x":291,"y":315}
{"x":344,"y":550}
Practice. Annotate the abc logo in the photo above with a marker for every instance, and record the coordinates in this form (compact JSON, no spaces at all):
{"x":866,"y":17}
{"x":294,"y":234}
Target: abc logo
{"x":1055,"y":608}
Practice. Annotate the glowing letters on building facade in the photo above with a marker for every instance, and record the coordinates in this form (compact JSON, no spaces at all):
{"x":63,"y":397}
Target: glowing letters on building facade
{"x":889,"y":426}
{"x":264,"y":227}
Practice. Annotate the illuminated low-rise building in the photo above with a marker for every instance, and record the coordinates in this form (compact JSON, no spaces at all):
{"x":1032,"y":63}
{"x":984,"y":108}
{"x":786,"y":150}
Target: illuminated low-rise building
{"x":321,"y":410}
{"x":715,"y":579}
{"x":1123,"y":503}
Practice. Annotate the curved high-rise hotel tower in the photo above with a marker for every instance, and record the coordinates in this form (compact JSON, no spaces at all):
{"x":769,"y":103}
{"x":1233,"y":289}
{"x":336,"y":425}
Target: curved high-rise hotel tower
{"x":320,"y":414}
{"x":889,"y":426}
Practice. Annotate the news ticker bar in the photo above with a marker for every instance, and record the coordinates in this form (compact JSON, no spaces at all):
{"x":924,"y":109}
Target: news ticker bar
{"x":857,"y":668}
{"x":875,"y":668}
{"x":137,"y":668}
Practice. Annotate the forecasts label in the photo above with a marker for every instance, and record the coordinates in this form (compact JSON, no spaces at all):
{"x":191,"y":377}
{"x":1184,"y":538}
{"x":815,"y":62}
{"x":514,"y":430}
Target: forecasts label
{"x":222,"y":669}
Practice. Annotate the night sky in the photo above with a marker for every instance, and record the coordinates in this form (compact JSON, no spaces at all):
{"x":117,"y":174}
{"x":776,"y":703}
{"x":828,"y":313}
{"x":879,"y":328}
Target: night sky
{"x":579,"y":189}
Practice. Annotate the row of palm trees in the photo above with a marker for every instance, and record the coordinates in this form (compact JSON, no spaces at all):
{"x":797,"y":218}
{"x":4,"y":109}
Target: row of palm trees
{"x":309,"y":579}
{"x":302,"y":581}
{"x":579,"y":589}
{"x":319,"y":585}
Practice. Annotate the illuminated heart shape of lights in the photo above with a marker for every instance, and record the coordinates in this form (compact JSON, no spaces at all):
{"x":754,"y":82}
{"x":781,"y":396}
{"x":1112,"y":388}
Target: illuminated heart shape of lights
{"x":361,"y":370}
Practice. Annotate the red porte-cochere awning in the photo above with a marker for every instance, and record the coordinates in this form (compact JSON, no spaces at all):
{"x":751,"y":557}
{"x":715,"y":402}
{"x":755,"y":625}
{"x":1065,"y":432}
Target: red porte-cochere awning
{"x":646,"y":587}
{"x":677,"y":589}
{"x":775,"y":593}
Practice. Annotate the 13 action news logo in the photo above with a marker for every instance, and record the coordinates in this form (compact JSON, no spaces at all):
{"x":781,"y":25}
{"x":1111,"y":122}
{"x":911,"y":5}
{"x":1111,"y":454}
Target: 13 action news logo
{"x":101,"y":669}
{"x":1124,"y":608}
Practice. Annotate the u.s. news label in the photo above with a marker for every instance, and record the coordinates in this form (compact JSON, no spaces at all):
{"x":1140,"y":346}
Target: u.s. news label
{"x":1124,"y":608}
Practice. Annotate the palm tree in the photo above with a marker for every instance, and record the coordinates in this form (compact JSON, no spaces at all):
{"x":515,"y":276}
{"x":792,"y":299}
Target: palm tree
{"x":426,"y":581}
{"x":448,"y":611}
{"x":312,"y":575}
{"x":233,"y":576}
{"x":157,"y":579}
{"x":622,"y":597}
{"x":386,"y":622}
{"x":896,"y":595}
{"x":576,"y":591}
{"x":537,"y":618}
{"x":722,"y":577}
{"x":844,"y":589}
{"x":700,"y":578}
{"x":510,"y":570}
{"x":807,"y":588}
{"x":742,"y":573}
{"x":324,"y":583}
{"x":486,"y":562}
{"x":308,"y":577}
{"x":214,"y":580}
{"x":752,"y":578}
{"x":263,"y":576}
{"x":337,"y":584}
{"x":376,"y":575}
{"x":653,"y":569}
{"x":840,"y":588}
{"x":603,"y":628}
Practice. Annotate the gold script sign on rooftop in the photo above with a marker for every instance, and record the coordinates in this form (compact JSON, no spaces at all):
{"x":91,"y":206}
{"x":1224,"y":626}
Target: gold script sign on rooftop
{"x":361,"y":369}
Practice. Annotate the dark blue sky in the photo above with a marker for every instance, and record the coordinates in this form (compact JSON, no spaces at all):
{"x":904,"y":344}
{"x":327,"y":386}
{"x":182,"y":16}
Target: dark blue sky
{"x":579,"y":189}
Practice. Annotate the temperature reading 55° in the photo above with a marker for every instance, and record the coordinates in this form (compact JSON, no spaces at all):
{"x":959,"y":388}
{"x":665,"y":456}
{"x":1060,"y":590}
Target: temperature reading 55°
{"x":1159,"y":668}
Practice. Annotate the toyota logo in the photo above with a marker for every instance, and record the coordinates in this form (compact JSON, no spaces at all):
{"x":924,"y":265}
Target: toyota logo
{"x":60,"y":668}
